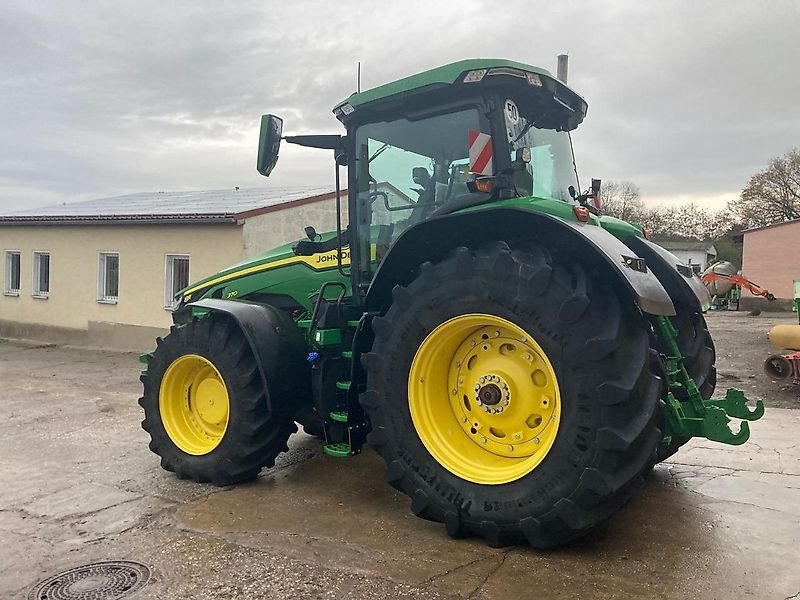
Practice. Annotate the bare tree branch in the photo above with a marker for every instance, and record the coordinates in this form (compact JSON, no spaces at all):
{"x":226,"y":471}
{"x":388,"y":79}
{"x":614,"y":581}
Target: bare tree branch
{"x":771,"y":195}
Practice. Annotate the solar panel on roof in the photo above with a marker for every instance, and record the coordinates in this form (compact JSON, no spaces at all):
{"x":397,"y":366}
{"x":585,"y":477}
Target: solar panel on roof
{"x":196,"y":203}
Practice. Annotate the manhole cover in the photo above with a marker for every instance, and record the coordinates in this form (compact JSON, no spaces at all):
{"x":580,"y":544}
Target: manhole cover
{"x":108,"y":580}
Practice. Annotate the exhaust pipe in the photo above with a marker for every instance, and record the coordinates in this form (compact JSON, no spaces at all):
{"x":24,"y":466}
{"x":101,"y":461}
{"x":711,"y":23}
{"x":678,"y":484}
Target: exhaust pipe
{"x":563,"y":66}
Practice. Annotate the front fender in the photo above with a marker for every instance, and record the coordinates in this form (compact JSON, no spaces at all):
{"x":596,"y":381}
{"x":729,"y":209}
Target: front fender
{"x":433,"y":239}
{"x":276,"y":343}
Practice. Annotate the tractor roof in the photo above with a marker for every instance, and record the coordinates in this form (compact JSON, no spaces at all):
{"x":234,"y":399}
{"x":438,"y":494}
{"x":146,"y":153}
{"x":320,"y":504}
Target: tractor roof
{"x":449,"y":74}
{"x":440,"y":76}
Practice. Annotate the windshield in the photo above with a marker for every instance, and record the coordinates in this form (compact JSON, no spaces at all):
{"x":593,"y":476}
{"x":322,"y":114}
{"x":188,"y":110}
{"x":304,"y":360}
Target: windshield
{"x":405,"y":170}
{"x":552,"y":167}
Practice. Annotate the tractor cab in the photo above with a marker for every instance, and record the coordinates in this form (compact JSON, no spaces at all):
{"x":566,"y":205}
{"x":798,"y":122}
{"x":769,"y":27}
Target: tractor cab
{"x":446,"y":140}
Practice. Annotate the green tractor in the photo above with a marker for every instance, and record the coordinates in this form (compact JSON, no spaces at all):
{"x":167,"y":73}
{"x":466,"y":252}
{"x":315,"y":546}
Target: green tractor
{"x":519,"y":361}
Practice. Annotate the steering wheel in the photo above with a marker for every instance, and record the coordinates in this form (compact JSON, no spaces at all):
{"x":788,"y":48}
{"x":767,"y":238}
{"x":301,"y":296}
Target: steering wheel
{"x":376,"y":194}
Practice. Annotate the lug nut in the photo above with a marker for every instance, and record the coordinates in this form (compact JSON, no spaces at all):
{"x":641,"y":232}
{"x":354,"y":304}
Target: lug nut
{"x":482,"y":380}
{"x":484,"y":440}
{"x":511,"y":448}
{"x":455,"y":392}
{"x":535,"y":440}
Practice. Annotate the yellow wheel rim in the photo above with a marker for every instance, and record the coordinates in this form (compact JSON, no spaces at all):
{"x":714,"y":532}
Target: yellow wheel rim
{"x":484,"y":399}
{"x":194,"y":404}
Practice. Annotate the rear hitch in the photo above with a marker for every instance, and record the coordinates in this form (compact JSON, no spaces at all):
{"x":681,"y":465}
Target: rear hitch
{"x":712,"y":421}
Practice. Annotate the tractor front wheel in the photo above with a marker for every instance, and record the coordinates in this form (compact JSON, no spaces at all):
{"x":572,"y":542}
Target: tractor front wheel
{"x":512,"y":396}
{"x":205,"y":406}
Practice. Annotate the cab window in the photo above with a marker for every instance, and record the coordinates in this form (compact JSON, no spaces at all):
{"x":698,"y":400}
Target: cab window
{"x":406,"y":169}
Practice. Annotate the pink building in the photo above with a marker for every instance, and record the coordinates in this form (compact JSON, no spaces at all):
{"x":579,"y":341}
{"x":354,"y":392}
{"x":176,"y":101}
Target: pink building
{"x":771,"y":257}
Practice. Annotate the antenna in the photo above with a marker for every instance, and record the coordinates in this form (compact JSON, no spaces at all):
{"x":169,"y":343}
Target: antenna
{"x":358,"y":79}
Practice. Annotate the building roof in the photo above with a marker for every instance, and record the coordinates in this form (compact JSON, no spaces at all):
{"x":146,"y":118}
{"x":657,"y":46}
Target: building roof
{"x":210,"y":206}
{"x":790,"y":222}
{"x":705,"y":246}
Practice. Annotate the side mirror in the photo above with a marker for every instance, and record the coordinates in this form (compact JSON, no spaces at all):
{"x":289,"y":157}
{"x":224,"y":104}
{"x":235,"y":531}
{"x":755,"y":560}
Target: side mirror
{"x":596,"y":183}
{"x":269,"y":142}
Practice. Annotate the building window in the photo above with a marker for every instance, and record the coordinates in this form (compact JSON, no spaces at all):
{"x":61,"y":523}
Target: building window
{"x":108,"y":278}
{"x":177,"y":277}
{"x":41,"y":274}
{"x":12,"y":273}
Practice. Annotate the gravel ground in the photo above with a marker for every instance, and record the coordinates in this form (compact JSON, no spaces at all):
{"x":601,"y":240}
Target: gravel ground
{"x":742,"y":345}
{"x":78,"y":484}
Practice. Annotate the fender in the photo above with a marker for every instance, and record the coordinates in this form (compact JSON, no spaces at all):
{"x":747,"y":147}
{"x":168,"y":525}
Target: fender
{"x":682,"y":283}
{"x":277,"y":346}
{"x":431,"y":240}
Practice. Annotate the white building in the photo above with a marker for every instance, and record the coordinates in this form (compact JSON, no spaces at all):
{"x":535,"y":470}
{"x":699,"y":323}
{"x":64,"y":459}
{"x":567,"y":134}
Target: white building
{"x":698,"y":254}
{"x":103,"y":272}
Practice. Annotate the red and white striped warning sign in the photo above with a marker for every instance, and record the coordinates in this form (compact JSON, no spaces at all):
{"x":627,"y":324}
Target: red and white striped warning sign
{"x":480,"y":152}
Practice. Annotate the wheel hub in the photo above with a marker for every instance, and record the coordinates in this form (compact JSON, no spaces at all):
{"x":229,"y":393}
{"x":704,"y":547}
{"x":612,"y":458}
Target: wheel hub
{"x":503,"y":393}
{"x":194,"y":404}
{"x":491,"y":391}
{"x":518,"y":370}
{"x":210,"y":401}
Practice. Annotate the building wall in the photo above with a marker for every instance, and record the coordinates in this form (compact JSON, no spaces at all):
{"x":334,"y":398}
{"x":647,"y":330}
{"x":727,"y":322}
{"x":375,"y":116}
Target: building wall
{"x":266,"y":231}
{"x":771,"y":258}
{"x":72,"y":302}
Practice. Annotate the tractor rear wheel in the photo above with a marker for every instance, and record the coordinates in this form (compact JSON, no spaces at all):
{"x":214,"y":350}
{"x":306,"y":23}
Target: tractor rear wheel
{"x":511,"y":395}
{"x":205,"y":406}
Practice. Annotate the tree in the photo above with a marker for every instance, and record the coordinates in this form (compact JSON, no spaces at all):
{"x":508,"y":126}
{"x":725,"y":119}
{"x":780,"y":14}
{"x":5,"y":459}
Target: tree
{"x":622,"y":199}
{"x":729,"y":250}
{"x":771,"y":195}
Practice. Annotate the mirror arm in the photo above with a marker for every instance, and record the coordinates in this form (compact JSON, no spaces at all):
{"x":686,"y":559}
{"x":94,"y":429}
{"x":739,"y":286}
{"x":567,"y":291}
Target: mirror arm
{"x":325,"y":142}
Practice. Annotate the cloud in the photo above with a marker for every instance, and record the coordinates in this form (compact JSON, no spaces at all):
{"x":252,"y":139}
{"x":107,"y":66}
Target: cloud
{"x":687,"y":98}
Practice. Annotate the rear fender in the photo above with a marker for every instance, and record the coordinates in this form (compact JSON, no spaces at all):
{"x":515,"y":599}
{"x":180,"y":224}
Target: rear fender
{"x":277,"y":345}
{"x":590,"y":244}
{"x":683,"y":285}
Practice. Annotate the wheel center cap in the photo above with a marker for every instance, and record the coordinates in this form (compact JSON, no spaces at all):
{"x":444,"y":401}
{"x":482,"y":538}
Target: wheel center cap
{"x":210,"y":401}
{"x":490,"y":394}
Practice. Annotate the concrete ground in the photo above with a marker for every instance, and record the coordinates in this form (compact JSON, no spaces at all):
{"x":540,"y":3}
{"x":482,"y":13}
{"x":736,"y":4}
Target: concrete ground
{"x":77,"y":484}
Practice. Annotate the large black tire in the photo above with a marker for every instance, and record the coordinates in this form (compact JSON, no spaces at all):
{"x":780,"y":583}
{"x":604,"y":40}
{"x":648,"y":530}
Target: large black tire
{"x":698,"y":349}
{"x":598,"y":344}
{"x":252,"y":439}
{"x":694,"y":341}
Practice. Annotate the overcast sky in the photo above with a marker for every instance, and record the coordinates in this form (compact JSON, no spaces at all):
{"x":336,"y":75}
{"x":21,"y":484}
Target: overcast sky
{"x":686,"y":98}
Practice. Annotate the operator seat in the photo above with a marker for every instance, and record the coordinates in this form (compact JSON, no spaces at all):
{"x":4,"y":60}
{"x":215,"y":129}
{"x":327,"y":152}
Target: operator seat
{"x":425,"y":204}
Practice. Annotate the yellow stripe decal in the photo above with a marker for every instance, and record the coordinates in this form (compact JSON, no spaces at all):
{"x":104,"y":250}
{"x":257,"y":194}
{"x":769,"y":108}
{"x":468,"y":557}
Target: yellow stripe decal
{"x":318,"y":262}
